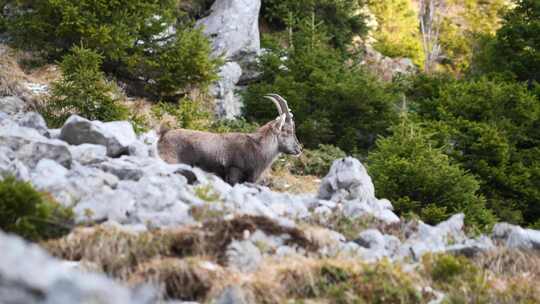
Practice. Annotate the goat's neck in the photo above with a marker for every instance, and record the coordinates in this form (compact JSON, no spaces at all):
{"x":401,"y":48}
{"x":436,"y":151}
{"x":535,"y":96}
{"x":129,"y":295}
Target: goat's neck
{"x":268,"y":144}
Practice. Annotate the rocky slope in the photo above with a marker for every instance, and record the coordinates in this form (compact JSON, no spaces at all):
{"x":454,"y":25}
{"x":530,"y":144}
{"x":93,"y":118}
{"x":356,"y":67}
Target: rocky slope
{"x":190,"y":235}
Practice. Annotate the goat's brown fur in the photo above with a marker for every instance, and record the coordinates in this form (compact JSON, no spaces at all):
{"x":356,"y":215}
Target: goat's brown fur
{"x":235,"y":157}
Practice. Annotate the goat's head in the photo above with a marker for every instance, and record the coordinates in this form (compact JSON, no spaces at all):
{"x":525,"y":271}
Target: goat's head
{"x":284,"y":127}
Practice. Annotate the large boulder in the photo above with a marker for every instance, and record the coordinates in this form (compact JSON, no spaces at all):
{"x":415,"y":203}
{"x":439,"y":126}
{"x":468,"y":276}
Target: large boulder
{"x":32,"y":120}
{"x":447,"y":236}
{"x":71,"y":187}
{"x":233,"y":26}
{"x":116,"y":136}
{"x":29,"y":275}
{"x":349,"y":184}
{"x":516,"y":237}
{"x":260,"y":201}
{"x":228,"y":104}
{"x":88,"y":154}
{"x":378,"y":245}
{"x":30,"y":147}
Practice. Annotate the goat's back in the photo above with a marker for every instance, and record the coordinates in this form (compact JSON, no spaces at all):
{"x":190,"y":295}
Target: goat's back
{"x":210,"y":151}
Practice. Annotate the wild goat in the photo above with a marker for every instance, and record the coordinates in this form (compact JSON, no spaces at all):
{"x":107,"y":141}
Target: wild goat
{"x":235,"y":157}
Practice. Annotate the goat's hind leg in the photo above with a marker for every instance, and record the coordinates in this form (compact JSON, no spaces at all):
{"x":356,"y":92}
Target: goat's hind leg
{"x":234,"y":176}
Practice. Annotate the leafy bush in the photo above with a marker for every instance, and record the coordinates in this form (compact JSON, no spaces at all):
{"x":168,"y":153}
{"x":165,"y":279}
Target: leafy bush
{"x":463,"y":26}
{"x":314,"y":162}
{"x":31,"y":214}
{"x":134,"y":37}
{"x":340,"y":19}
{"x":233,"y":125}
{"x":382,"y":282}
{"x":188,"y":114}
{"x":490,"y":126}
{"x":83,"y":90}
{"x":420,"y":178}
{"x":333,"y":102}
{"x":177,"y":66}
{"x":398,"y":34}
{"x":516,"y":47}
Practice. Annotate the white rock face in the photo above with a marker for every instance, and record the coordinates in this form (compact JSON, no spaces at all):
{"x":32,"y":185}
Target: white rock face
{"x":348,"y":183}
{"x":243,"y":256}
{"x":228,"y":104}
{"x":32,"y":120}
{"x":29,"y":146}
{"x":379,"y":245}
{"x":29,"y":275}
{"x":516,"y":237}
{"x":139,"y":192}
{"x":233,"y":29}
{"x":116,"y":136}
{"x":233,"y":26}
{"x":447,"y":236}
{"x":11,"y":104}
{"x":88,"y":154}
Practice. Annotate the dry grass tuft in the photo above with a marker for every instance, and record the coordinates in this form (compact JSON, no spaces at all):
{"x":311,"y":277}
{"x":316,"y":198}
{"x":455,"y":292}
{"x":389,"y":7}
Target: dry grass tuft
{"x":190,"y":279}
{"x":11,"y":75}
{"x":510,"y":263}
{"x":282,"y":180}
{"x":215,"y":235}
{"x":116,"y":252}
{"x":119,"y":252}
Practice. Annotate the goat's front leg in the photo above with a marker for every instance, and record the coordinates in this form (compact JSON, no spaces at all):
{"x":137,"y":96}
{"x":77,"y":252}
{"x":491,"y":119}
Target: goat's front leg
{"x":234,"y":176}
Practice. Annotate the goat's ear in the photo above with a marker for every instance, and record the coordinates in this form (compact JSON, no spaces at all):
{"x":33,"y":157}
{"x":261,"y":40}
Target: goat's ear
{"x":279,"y":122}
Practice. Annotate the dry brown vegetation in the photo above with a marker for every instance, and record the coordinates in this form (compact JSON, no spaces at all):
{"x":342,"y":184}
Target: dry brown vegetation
{"x":189,"y":264}
{"x":281,"y":180}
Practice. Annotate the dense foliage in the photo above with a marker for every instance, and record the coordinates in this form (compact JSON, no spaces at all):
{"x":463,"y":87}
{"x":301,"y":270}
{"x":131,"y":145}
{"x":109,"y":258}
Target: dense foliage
{"x":333,"y":102}
{"x":470,"y":142}
{"x":340,"y":19}
{"x":417,"y":177}
{"x":462,"y":27}
{"x":490,"y":127}
{"x":29,"y":213}
{"x":312,"y":161}
{"x":83,"y":90}
{"x":515,"y":47}
{"x":137,"y":39}
{"x":397,"y":34}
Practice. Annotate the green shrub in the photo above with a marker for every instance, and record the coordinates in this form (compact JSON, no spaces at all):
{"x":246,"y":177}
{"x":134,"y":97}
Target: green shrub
{"x":463,"y":26}
{"x":378,"y":283}
{"x":340,"y":19}
{"x":233,"y":125}
{"x":83,"y":90}
{"x":178,"y":66}
{"x":132,"y":36}
{"x":446,"y":268}
{"x":31,"y":214}
{"x":314,"y":162}
{"x":398,"y":33}
{"x":412,"y":173}
{"x":333,"y":102}
{"x":490,"y":127}
{"x":516,"y":47}
{"x":188,"y":114}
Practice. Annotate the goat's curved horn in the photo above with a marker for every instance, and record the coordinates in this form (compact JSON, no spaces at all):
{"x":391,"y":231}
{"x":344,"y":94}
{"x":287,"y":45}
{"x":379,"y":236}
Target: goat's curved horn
{"x":284,"y":106}
{"x":276,"y":102}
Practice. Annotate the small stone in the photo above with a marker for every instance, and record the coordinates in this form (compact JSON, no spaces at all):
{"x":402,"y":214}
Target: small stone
{"x":11,"y":104}
{"x":116,"y":136}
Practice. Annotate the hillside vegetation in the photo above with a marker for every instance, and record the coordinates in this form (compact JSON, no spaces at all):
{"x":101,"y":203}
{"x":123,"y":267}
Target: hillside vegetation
{"x":420,"y":126}
{"x":480,"y":115}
